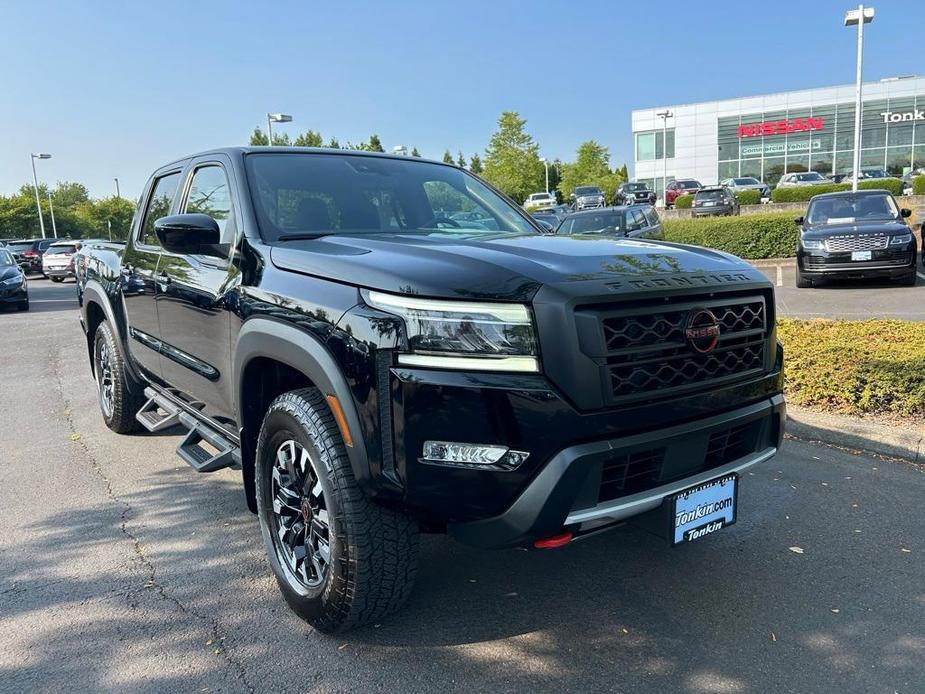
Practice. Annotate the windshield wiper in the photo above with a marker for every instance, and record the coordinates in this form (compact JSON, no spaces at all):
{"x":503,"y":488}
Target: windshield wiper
{"x":303,"y":235}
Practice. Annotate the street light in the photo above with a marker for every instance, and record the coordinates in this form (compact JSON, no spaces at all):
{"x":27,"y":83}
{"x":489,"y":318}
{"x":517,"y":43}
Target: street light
{"x":118,"y":194}
{"x":664,"y":115}
{"x":35,"y":180}
{"x":275,"y":118}
{"x":51,"y":208}
{"x":546,"y":164}
{"x":860,"y":17}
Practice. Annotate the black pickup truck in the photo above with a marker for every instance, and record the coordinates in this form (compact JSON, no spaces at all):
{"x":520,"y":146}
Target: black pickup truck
{"x":378,"y":367}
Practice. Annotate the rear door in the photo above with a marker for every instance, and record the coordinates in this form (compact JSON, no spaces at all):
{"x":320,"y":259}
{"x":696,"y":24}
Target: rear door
{"x":193,"y":294}
{"x":139,"y":273}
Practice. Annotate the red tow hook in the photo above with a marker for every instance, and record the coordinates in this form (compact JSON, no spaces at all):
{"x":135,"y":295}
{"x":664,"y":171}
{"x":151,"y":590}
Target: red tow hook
{"x":554,"y":541}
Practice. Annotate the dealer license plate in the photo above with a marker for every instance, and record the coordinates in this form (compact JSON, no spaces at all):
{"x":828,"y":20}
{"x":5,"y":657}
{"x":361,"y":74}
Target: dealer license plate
{"x":704,"y":509}
{"x":860,"y":255}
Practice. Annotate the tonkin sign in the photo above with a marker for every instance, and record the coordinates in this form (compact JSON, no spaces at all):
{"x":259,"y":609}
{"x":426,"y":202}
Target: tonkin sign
{"x":893,"y":117}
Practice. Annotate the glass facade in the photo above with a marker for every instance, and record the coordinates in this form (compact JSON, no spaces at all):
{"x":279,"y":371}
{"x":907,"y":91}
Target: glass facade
{"x":897,"y":145}
{"x":653,"y":144}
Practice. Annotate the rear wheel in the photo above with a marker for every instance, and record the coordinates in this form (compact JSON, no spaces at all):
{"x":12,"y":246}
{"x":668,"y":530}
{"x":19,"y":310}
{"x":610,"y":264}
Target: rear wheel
{"x":57,"y":279}
{"x":803,"y":282}
{"x":340,"y":560}
{"x":118,"y":403}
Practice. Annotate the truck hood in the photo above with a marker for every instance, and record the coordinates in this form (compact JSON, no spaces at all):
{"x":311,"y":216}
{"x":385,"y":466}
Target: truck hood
{"x":500,"y":267}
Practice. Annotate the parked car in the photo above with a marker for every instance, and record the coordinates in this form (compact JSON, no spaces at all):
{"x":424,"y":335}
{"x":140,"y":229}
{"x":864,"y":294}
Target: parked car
{"x":737,"y":185}
{"x":682,"y":186}
{"x":801,"y":179}
{"x":28,"y":253}
{"x":548,"y":220}
{"x":855,"y":235}
{"x":868,"y":174}
{"x":837,"y":177}
{"x":378,"y":370}
{"x":633,"y":192}
{"x":909,"y":178}
{"x":634,"y":221}
{"x":585,"y":197}
{"x":58,"y":260}
{"x":14,"y":288}
{"x":714,"y":200}
{"x":539,"y":201}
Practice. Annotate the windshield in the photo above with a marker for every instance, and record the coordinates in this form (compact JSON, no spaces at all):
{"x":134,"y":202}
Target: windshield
{"x":688,"y":185}
{"x":810,"y":177}
{"x":57,"y":249}
{"x":745,"y":181}
{"x":540,"y":196}
{"x":874,"y":173}
{"x":634,"y":187}
{"x":593,"y":223}
{"x":297,"y":195}
{"x":709,"y":195}
{"x":6,"y":258}
{"x":847,"y":209}
{"x":587,"y":190}
{"x":20,"y":246}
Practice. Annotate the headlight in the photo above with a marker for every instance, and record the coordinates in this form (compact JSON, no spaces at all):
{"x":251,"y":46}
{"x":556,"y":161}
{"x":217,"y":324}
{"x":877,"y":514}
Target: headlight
{"x":900,"y":239}
{"x":13,"y":281}
{"x":463,"y":334}
{"x":813,"y":245}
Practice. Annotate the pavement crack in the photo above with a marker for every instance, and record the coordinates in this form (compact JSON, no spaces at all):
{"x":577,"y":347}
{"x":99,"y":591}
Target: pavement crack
{"x":140,"y":555}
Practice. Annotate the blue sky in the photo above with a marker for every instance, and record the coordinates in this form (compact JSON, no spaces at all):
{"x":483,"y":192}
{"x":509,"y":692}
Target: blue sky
{"x":116,"y":89}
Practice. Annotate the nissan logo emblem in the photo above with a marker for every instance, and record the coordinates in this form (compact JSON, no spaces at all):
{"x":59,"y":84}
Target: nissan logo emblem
{"x":702,"y":331}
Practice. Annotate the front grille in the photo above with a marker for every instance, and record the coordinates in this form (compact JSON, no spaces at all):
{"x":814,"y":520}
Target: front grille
{"x":729,"y":444}
{"x":855,"y":242}
{"x":646,"y":353}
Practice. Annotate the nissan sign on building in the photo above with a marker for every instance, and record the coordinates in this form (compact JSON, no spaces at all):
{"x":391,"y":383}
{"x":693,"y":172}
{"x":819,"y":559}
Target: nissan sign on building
{"x":767,"y":136}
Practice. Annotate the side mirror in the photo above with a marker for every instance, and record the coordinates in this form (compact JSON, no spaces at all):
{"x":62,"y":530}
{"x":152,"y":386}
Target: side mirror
{"x":905,"y":212}
{"x":547,"y":227}
{"x":188,"y":233}
{"x":798,"y":221}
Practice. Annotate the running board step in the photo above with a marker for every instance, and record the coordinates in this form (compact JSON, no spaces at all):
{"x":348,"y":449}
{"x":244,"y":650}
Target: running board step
{"x":221,"y":452}
{"x":158,"y":413}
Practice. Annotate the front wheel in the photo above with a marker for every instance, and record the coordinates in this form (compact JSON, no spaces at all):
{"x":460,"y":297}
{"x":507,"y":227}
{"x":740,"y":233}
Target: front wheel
{"x":908,"y":280}
{"x":57,"y":279}
{"x":340,"y":560}
{"x":118,"y":403}
{"x":803,"y":282}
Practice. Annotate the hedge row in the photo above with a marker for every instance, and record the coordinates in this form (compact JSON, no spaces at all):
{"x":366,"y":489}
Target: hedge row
{"x":772,"y":235}
{"x":684,"y":202}
{"x":855,"y":367}
{"x":749,"y":197}
{"x":804,"y":193}
{"x":918,"y":185}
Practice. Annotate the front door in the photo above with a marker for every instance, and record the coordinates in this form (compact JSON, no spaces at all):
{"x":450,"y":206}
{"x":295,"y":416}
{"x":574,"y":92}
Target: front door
{"x":139,"y":271}
{"x":195,"y":320}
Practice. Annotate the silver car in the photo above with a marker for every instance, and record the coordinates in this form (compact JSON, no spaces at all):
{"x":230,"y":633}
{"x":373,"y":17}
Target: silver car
{"x":737,"y":185}
{"x":587,"y":197}
{"x":802,"y":179}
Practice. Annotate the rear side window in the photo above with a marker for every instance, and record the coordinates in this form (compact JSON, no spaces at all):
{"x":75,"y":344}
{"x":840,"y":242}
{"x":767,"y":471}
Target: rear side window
{"x":209,"y":194}
{"x":651,"y":216}
{"x":165,"y":188}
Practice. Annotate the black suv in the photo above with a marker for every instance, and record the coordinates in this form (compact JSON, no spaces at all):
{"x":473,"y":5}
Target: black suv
{"x":855,"y":235}
{"x":714,"y":200}
{"x":630,"y":193}
{"x":378,"y":366}
{"x":28,"y":252}
{"x":634,"y":221}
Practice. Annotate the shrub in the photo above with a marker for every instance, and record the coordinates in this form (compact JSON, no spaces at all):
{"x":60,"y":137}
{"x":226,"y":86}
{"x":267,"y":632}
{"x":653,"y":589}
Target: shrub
{"x":918,"y":185}
{"x":855,"y":367}
{"x":684,"y":202}
{"x":772,"y":235}
{"x":804,"y":193}
{"x":894,"y":185}
{"x":749,"y":197}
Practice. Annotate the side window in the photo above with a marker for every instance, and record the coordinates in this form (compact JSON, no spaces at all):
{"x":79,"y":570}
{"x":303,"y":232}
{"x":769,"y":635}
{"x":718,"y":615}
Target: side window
{"x":639,"y":221}
{"x":158,"y":206}
{"x":209,"y":194}
{"x":566,"y":226}
{"x":652,"y":217}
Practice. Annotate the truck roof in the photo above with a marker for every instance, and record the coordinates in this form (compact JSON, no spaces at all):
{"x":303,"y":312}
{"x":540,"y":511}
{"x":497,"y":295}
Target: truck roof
{"x":303,"y":150}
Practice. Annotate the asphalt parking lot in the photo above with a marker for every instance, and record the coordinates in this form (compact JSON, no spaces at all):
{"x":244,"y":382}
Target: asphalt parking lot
{"x":122,"y":569}
{"x":849,"y":299}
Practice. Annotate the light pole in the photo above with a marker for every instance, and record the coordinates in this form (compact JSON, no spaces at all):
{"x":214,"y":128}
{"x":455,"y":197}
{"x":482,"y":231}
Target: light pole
{"x":118,"y":194}
{"x":860,"y":17}
{"x":546,"y":164}
{"x":665,"y":115}
{"x":275,"y":118}
{"x":51,"y":208}
{"x":35,"y":180}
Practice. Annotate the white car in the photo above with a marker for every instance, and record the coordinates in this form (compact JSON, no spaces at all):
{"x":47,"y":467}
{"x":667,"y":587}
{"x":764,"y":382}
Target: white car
{"x":799,"y":180}
{"x":540,"y":201}
{"x":57,"y":261}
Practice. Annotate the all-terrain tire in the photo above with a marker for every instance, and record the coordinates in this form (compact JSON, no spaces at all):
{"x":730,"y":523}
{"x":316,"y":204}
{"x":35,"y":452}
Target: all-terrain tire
{"x":118,"y":403}
{"x":372,"y":550}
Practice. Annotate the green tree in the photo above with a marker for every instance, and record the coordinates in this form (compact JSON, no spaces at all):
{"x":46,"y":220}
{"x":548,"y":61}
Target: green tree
{"x":590,"y":168}
{"x":461,"y":160}
{"x":259,"y":139}
{"x":447,"y":157}
{"x":475,"y":164}
{"x":95,"y":214}
{"x":414,"y":152}
{"x":512,"y":160}
{"x":333,"y":143}
{"x":311,"y":138}
{"x":374,"y":145}
{"x":623,"y":173}
{"x":67,"y":194}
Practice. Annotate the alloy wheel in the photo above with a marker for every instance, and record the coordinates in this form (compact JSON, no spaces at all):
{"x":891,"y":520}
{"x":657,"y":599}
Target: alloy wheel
{"x":104,"y":378}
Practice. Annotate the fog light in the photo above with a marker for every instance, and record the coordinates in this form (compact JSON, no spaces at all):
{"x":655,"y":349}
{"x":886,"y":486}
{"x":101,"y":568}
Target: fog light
{"x":472,"y":454}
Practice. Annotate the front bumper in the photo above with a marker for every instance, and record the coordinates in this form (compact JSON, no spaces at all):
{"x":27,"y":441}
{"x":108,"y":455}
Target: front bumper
{"x":19,"y":295}
{"x":890,"y":263}
{"x":588,"y":205}
{"x":712,"y":211}
{"x":57,"y":272}
{"x":564,"y":495}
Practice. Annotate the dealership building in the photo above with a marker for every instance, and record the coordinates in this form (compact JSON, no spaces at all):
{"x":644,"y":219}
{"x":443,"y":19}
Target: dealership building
{"x":767,"y":136}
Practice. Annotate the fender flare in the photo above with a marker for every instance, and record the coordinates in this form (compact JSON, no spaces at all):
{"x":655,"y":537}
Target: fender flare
{"x":93,"y":292}
{"x":302,"y":351}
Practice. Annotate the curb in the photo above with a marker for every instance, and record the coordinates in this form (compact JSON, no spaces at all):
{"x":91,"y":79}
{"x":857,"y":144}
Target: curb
{"x":893,"y":441}
{"x":773,"y":262}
